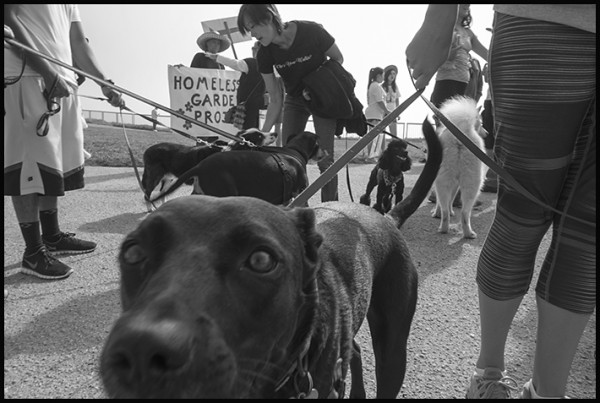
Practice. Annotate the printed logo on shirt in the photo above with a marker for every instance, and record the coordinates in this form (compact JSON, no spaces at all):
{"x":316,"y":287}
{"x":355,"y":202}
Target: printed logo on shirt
{"x":291,"y":63}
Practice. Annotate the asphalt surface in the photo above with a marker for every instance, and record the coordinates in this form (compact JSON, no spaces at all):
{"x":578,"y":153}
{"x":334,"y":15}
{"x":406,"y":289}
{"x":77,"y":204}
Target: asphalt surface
{"x":54,"y":330}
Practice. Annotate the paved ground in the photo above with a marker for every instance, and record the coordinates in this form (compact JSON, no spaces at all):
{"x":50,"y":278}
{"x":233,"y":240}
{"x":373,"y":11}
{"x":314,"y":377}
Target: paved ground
{"x":54,"y":330}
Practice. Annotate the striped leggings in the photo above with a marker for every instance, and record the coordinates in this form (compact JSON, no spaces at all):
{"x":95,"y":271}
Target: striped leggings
{"x":543,"y":86}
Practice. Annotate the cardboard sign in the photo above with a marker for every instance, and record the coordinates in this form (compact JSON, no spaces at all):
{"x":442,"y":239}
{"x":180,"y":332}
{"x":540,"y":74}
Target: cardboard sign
{"x":221,"y":25}
{"x":204,"y":95}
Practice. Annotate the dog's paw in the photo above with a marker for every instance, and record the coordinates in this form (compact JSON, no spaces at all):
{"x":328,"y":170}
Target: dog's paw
{"x":435,"y":213}
{"x":366,"y":200}
{"x":470,"y":235}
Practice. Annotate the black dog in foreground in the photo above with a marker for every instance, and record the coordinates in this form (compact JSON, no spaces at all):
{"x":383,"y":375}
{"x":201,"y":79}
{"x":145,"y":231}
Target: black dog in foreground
{"x":238,"y":298}
{"x":165,"y":162}
{"x":273,"y":174}
{"x":388,"y":176}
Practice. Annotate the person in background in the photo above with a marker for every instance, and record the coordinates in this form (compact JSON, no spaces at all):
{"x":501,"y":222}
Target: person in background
{"x":453,"y":75}
{"x":475,"y":85}
{"x":43,"y":149}
{"x":392,"y":93}
{"x":544,"y":103}
{"x":295,"y":49}
{"x":251,"y":89}
{"x":375,"y":111}
{"x":210,"y":42}
{"x":490,"y":184}
{"x":154,"y":118}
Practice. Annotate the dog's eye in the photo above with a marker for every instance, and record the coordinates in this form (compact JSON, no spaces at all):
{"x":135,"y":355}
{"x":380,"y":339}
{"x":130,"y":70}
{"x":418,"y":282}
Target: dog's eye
{"x":261,"y":261}
{"x":133,"y":253}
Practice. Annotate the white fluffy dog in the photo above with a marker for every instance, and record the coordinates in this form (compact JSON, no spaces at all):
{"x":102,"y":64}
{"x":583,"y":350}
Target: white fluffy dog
{"x":460,"y":168}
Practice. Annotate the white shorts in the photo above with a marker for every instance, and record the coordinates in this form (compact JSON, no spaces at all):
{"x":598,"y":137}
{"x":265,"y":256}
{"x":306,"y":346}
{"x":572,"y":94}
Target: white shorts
{"x":48,"y":165}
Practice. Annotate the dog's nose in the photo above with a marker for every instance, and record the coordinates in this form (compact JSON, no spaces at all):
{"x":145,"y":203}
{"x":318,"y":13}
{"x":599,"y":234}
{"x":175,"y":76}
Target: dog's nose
{"x":140,"y":352}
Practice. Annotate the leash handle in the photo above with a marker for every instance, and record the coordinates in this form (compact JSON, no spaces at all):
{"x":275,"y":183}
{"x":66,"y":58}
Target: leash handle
{"x":105,"y":83}
{"x":302,"y":198}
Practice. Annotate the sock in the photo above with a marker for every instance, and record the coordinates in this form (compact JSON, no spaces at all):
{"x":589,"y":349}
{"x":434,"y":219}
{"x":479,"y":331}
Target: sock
{"x":534,"y":394}
{"x":49,"y":221}
{"x":32,"y":236}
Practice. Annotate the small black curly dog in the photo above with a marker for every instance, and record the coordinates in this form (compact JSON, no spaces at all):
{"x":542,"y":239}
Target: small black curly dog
{"x":388,"y":176}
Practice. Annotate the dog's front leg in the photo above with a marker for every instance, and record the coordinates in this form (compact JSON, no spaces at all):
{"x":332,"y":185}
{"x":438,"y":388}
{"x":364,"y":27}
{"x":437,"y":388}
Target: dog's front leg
{"x":357,"y":391}
{"x":399,"y":191}
{"x":366,"y":198}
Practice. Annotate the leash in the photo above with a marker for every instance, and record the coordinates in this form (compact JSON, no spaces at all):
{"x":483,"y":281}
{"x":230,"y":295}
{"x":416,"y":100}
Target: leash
{"x":348,"y":176}
{"x":105,"y":83}
{"x":500,"y":171}
{"x":189,"y":136}
{"x":302,"y":198}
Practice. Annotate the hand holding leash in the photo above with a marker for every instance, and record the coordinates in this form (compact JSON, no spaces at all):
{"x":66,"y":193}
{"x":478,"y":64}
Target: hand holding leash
{"x":114,"y":97}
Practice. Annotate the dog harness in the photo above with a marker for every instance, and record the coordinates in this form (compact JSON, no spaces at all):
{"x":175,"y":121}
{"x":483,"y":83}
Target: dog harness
{"x":286,"y":170}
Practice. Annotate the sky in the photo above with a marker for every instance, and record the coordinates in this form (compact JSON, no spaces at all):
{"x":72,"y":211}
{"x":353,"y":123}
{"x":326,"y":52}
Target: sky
{"x":134,"y":44}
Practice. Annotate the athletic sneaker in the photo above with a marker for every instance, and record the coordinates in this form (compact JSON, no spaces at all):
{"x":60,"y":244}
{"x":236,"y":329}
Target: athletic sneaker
{"x":67,"y":243}
{"x":43,"y":265}
{"x":492,"y":385}
{"x":529,"y":392}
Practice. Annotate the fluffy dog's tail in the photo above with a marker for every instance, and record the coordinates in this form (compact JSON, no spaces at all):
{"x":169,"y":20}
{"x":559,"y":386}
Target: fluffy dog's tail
{"x":401,"y":211}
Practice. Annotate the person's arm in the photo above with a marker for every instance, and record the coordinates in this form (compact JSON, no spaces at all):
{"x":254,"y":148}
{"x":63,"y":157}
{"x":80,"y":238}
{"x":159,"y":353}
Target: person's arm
{"x":383,"y":108}
{"x":84,"y":57}
{"x":239,"y":65}
{"x":479,"y":48}
{"x":335,"y":53}
{"x":43,"y":67}
{"x":430,"y":46}
{"x":275,"y":101}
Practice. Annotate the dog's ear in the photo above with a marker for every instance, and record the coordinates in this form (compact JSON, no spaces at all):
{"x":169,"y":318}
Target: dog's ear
{"x":305,"y":222}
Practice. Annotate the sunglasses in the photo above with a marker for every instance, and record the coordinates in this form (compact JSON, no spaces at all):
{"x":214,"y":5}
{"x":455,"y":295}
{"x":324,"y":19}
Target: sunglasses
{"x":53,"y":107}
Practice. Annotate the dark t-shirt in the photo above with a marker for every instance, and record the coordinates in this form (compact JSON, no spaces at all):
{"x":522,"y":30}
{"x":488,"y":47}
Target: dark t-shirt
{"x":204,"y":62}
{"x":251,"y":84}
{"x":305,"y":55}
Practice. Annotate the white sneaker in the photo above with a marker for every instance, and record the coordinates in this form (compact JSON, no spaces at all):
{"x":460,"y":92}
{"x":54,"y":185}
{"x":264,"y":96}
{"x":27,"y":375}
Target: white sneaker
{"x":492,"y":385}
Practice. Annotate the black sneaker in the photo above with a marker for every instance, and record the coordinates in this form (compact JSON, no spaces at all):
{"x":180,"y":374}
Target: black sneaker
{"x":43,"y":265}
{"x":67,"y":243}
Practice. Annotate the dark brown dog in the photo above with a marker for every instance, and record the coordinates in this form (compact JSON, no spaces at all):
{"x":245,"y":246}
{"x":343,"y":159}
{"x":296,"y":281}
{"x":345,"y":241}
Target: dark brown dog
{"x":165,"y":162}
{"x":237,"y":298}
{"x":273,"y":174}
{"x":388,"y":176}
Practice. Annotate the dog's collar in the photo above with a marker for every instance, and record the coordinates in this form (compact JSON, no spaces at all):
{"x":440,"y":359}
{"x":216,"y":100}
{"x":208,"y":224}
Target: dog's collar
{"x":303,"y":159}
{"x":389,"y":179}
{"x":299,"y":374}
{"x":298,"y":370}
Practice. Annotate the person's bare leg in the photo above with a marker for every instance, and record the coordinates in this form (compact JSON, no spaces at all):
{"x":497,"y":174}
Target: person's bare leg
{"x":496,"y":318}
{"x":48,"y":202}
{"x":27,"y":207}
{"x":558,"y":335}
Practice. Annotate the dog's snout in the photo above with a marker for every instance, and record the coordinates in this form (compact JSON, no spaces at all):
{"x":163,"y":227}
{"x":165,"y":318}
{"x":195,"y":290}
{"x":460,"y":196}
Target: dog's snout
{"x":166,"y":350}
{"x":140,"y":354}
